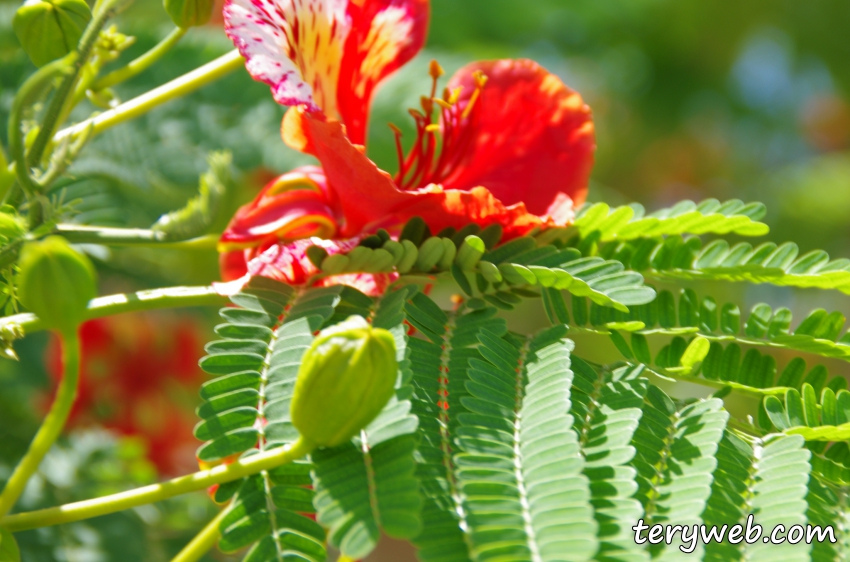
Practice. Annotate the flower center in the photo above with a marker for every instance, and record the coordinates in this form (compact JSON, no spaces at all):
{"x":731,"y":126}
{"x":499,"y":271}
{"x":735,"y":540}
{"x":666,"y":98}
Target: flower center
{"x":440,"y":144}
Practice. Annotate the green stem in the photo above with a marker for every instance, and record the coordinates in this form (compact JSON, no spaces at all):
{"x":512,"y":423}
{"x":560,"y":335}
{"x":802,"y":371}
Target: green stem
{"x":203,"y":541}
{"x":136,"y":107}
{"x":32,"y":88}
{"x":170,"y":297}
{"x":142,"y":63}
{"x":131,"y":237}
{"x":52,"y":426}
{"x":157,"y":492}
{"x":57,"y":104}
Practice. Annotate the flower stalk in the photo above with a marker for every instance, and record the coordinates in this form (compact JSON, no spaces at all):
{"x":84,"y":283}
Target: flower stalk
{"x":57,"y":107}
{"x":53,"y":423}
{"x":140,"y":105}
{"x":157,"y":492}
{"x":171,"y":297}
{"x":203,"y":541}
{"x":141,"y":63}
{"x":108,"y":236}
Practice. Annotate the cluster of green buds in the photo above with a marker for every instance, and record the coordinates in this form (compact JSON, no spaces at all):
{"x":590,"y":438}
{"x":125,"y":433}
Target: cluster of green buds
{"x":414,"y":252}
{"x":346,"y":378}
{"x":500,"y":276}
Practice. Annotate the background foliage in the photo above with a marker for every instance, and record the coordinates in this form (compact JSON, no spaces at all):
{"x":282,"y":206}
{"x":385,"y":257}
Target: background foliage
{"x":691,"y":100}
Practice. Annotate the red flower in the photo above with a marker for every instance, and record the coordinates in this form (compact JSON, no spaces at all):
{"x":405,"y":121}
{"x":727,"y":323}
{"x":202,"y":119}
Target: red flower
{"x":507,"y":143}
{"x":138,"y":376}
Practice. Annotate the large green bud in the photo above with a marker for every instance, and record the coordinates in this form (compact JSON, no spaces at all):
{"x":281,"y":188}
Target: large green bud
{"x":50,"y":29}
{"x":346,"y":378}
{"x":56,"y":282}
{"x":189,"y":13}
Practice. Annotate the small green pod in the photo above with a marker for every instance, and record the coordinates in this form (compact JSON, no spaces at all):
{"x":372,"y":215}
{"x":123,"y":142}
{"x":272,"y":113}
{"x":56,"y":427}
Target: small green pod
{"x":470,"y":252}
{"x":490,"y":271}
{"x":335,"y":264}
{"x":429,"y":254}
{"x":189,"y":13}
{"x":517,"y":274}
{"x":358,"y":258}
{"x":346,"y":378}
{"x":449,"y":253}
{"x":317,"y":255}
{"x":381,"y":261}
{"x":411,"y":254}
{"x":396,"y":249}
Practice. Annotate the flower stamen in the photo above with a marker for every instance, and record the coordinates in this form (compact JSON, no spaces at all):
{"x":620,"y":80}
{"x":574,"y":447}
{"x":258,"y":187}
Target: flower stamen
{"x":434,"y":156}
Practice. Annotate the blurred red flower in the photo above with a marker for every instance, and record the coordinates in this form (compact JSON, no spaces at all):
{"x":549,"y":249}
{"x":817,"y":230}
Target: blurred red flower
{"x":139,"y":376}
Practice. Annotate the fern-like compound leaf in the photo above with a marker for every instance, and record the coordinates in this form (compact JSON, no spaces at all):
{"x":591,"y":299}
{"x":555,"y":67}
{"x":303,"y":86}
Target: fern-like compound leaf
{"x":239,"y":361}
{"x":607,"y":409}
{"x":829,"y":506}
{"x":686,"y":217}
{"x":766,"y":478}
{"x":820,"y":333}
{"x":520,"y":467}
{"x":675,"y":459}
{"x":440,"y":367}
{"x":676,"y":257}
{"x":368,"y":485}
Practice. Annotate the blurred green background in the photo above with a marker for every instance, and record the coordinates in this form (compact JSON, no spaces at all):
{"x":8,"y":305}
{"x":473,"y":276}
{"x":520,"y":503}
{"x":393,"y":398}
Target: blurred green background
{"x":691,"y":100}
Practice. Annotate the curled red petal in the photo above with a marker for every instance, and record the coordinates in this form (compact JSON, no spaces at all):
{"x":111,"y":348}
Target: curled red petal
{"x":294,"y":205}
{"x":531,"y":137}
{"x":368,"y":198}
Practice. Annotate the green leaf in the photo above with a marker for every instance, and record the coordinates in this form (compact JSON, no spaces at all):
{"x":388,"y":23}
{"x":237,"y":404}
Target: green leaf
{"x":440,"y":367}
{"x":368,"y":485}
{"x":606,"y":406}
{"x":750,"y":479}
{"x":708,"y":217}
{"x":675,"y":457}
{"x":546,"y":490}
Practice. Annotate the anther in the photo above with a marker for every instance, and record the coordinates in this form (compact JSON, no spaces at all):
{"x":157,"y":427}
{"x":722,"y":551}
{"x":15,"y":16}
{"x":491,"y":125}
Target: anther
{"x":432,"y":128}
{"x":427,"y":105}
{"x":435,"y":70}
{"x":444,"y":104}
{"x":395,"y":129}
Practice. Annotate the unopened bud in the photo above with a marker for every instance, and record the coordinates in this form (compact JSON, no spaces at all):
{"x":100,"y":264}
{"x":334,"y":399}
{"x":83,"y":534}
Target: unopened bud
{"x":50,"y":29}
{"x":346,"y":378}
{"x":189,"y":13}
{"x":56,"y":282}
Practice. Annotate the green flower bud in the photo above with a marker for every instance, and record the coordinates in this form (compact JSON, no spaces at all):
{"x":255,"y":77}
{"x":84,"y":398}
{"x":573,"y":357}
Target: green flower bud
{"x":56,"y":282}
{"x":50,"y":29}
{"x":189,"y":13}
{"x":346,"y":378}
{"x":11,"y":227}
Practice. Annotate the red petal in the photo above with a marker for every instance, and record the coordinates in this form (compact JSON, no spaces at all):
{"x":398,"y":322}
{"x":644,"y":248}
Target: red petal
{"x":532,"y":138}
{"x":385,"y":34}
{"x":364,"y":192}
{"x":369,"y":198}
{"x":295,"y":205}
{"x":326,"y":54}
